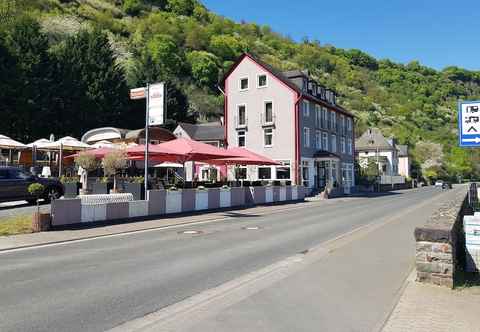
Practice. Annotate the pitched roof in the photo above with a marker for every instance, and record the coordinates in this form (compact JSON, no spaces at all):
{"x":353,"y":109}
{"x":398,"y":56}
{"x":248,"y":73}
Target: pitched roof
{"x":372,"y":139}
{"x":204,"y":131}
{"x":282,"y":76}
{"x":402,"y":150}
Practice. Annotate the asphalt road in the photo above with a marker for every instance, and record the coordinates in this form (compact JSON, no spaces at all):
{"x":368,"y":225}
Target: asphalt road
{"x":10,"y":209}
{"x":98,"y":284}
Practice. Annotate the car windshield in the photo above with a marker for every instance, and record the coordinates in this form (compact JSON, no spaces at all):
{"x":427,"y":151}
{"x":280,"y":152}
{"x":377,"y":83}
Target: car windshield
{"x":17,"y":174}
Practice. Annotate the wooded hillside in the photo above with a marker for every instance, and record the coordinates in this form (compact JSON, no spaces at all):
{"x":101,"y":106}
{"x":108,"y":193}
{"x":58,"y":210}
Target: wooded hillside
{"x":66,"y":67}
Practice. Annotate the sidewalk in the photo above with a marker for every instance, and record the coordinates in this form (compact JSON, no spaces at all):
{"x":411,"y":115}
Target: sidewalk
{"x":426,"y":308}
{"x":58,"y":236}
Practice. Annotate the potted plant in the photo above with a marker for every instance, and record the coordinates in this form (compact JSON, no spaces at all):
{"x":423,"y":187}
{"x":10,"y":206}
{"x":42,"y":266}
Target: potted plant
{"x":112,"y":163}
{"x":40,"y":221}
{"x":136,"y":186}
{"x":71,"y":185}
{"x":86,"y":162}
{"x":101,"y":186}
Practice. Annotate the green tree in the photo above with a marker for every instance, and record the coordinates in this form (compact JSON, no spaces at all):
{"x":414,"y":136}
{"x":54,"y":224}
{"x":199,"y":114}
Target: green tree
{"x":29,"y":47}
{"x":132,"y":7}
{"x":227,"y":47}
{"x":93,"y":85}
{"x":204,"y":68}
{"x":181,"y":7}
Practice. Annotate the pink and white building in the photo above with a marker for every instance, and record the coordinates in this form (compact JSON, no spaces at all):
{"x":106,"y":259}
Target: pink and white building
{"x":292,"y":119}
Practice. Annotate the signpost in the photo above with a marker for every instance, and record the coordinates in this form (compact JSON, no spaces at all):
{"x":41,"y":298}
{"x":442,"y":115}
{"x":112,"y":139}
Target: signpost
{"x":469,"y":123}
{"x":154,"y":112}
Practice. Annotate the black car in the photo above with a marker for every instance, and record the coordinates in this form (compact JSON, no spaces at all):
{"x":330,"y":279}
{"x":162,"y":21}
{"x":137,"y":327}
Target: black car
{"x":14,"y":185}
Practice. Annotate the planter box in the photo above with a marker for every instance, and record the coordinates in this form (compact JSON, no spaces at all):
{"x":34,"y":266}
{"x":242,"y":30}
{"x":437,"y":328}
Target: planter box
{"x":100,"y":188}
{"x":225,"y":198}
{"x":173,"y":202}
{"x":71,"y":189}
{"x":41,"y":222}
{"x":136,"y":189}
{"x":201,"y":200}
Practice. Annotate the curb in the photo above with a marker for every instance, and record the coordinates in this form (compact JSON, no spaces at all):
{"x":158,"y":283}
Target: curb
{"x":206,"y":220}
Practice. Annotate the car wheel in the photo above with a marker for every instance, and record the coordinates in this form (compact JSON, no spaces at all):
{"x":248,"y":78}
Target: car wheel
{"x":52,"y":193}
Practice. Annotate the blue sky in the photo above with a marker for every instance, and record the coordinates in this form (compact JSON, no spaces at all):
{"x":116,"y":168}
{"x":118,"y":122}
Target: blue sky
{"x":438,"y":33}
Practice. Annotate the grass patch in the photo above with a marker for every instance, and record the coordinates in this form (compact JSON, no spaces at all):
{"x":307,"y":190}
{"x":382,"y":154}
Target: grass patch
{"x":20,"y":224}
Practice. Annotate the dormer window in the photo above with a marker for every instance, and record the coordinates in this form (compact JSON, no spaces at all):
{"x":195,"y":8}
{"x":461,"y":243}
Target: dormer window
{"x":262,"y":81}
{"x":244,"y":84}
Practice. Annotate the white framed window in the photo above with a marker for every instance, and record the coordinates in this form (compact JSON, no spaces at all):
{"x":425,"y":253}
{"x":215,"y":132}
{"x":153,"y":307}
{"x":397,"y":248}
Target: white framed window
{"x":268,"y":112}
{"x":325,"y":141}
{"x":283,"y":172}
{"x":318,"y":116}
{"x":242,"y":115}
{"x":241,"y":138}
{"x":306,"y":109}
{"x":349,"y":124}
{"x":342,"y":144}
{"x":265,"y":173}
{"x":334,"y":143}
{"x":318,"y":140}
{"x":243,"y":84}
{"x":342,"y":124}
{"x":305,"y":173}
{"x":262,"y":81}
{"x":333,"y":119}
{"x":349,"y":146}
{"x":306,"y":137}
{"x":324,"y":118}
{"x":268,"y":137}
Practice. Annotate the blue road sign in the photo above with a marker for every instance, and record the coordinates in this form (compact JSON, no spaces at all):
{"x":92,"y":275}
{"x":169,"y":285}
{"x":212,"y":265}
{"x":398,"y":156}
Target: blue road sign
{"x":469,"y":123}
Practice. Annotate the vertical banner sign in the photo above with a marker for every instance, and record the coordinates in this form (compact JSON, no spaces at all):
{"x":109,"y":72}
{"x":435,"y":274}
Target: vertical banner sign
{"x":469,"y":123}
{"x":156,"y":104}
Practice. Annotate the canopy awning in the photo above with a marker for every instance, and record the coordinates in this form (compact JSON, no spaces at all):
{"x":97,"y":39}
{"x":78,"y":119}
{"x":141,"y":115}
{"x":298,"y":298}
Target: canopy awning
{"x":325,"y":155}
{"x":8,"y":143}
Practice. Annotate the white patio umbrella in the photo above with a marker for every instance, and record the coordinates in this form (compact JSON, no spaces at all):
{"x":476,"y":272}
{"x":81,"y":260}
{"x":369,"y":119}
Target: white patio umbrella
{"x":104,"y":144}
{"x":10,"y":144}
{"x":39,"y":143}
{"x":66,"y":143}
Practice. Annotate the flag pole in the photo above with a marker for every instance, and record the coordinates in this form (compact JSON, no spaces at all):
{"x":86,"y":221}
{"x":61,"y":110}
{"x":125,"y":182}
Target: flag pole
{"x":147,"y":116}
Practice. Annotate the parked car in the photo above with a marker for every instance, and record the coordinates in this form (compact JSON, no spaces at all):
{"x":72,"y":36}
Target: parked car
{"x":439,"y":183}
{"x":14,"y":185}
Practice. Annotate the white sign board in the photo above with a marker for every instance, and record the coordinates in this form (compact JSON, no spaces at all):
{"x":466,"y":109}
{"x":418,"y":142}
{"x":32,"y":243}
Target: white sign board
{"x":156,"y":104}
{"x":469,"y":123}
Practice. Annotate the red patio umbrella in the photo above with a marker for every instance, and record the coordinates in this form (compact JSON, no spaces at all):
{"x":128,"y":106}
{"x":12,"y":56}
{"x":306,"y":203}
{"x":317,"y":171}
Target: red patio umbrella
{"x":98,"y":153}
{"x":183,"y":150}
{"x":243,"y":157}
{"x":155,"y":152}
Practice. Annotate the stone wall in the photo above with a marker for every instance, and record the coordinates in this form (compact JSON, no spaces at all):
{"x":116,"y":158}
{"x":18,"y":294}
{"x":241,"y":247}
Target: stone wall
{"x":440,"y":244}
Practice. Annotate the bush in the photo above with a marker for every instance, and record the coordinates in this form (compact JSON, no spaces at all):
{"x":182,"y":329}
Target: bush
{"x":132,"y":7}
{"x":36,"y":190}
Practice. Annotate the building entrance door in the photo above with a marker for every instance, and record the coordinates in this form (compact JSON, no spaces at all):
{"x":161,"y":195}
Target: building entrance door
{"x":321,"y":175}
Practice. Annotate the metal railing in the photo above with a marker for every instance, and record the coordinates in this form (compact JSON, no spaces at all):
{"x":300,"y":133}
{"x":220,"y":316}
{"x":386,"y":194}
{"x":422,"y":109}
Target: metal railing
{"x":473,"y":197}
